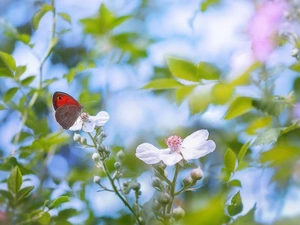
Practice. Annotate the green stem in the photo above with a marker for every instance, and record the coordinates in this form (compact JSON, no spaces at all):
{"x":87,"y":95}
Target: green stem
{"x":113,"y":184}
{"x":173,"y":186}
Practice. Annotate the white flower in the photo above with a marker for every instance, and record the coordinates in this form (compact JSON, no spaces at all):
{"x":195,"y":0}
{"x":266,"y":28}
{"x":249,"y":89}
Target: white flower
{"x":88,"y":123}
{"x":193,"y":146}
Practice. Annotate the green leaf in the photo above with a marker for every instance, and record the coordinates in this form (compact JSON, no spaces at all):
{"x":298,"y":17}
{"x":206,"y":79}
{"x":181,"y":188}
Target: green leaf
{"x":230,"y":160}
{"x":8,"y":61}
{"x":243,"y":151}
{"x":120,"y":20}
{"x":39,"y":15}
{"x":280,"y":154}
{"x":66,"y":17}
{"x":267,"y":137}
{"x":244,"y":78}
{"x":297,"y":88}
{"x":222,"y":92}
{"x":238,"y":107}
{"x":208,"y":3}
{"x":44,"y":219}
{"x":183,"y":69}
{"x":199,"y":101}
{"x":23,"y":193}
{"x":271,"y":106}
{"x":57,"y":202}
{"x":161,"y":84}
{"x":4,"y":72}
{"x":183,"y":92}
{"x":10,"y":94}
{"x":14,"y":181}
{"x":47,"y":82}
{"x":2,"y":107}
{"x":247,"y":219}
{"x":27,"y":80}
{"x":258,"y":123}
{"x":25,"y":38}
{"x":20,"y":70}
{"x":208,"y":71}
{"x":295,"y":67}
{"x":235,"y":183}
{"x":7,"y":195}
{"x":236,"y":205}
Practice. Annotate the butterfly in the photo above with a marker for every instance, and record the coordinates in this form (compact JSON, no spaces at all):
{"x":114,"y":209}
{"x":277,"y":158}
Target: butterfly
{"x":67,"y":109}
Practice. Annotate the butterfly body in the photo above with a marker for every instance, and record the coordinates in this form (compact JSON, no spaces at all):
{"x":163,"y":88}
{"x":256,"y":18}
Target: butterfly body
{"x":67,"y":109}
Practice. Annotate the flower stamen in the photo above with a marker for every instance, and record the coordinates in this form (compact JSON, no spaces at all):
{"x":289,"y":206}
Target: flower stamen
{"x":174,"y":143}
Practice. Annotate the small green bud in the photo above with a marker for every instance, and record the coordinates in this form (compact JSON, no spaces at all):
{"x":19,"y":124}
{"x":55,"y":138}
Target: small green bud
{"x":103,"y":135}
{"x":117,"y":165}
{"x":187,"y":181}
{"x":164,"y":198}
{"x":295,"y":52}
{"x":156,"y":206}
{"x":178,"y":213}
{"x":136,"y":186}
{"x":101,"y":148}
{"x":97,"y":179}
{"x":156,"y":183}
{"x":83,"y":140}
{"x":120,"y":155}
{"x":196,"y":174}
{"x":76,"y":137}
{"x":125,"y":184}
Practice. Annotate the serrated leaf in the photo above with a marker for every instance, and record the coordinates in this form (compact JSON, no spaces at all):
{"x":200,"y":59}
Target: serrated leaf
{"x":10,"y":94}
{"x":57,"y":202}
{"x":23,"y":193}
{"x":236,"y":205}
{"x":258,"y":123}
{"x":162,"y":84}
{"x":183,"y":69}
{"x":222,"y":92}
{"x":238,"y":107}
{"x":267,"y":137}
{"x":273,"y":107}
{"x":66,"y":17}
{"x":183,"y":92}
{"x":39,"y":15}
{"x":235,"y":183}
{"x":243,"y":151}
{"x":20,"y":70}
{"x":9,"y":61}
{"x":208,"y":71}
{"x":14,"y":180}
{"x":27,"y":80}
{"x":230,"y":160}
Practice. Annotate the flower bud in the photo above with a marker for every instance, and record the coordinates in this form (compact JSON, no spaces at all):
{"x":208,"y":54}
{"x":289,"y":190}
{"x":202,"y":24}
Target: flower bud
{"x":196,"y":174}
{"x":187,"y":181}
{"x":136,"y":186}
{"x":125,"y":184}
{"x":97,"y":179}
{"x":96,"y":157}
{"x":120,"y":155}
{"x":117,"y":165}
{"x":103,"y":135}
{"x":156,"y":183}
{"x":295,"y":52}
{"x":83,"y":140}
{"x":178,"y":213}
{"x":165,"y":173}
{"x":101,"y":148}
{"x":164,"y":198}
{"x":76,"y":137}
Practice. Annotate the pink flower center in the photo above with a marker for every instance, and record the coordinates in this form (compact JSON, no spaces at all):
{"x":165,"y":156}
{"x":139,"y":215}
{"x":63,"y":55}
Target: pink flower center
{"x":174,"y":143}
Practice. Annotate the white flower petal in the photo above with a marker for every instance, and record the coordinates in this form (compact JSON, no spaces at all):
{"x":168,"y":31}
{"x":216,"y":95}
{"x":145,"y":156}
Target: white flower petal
{"x":195,"y":153}
{"x":88,"y":126}
{"x":196,"y":139}
{"x":101,"y":118}
{"x":77,"y":125}
{"x":148,"y":153}
{"x":168,"y":157}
